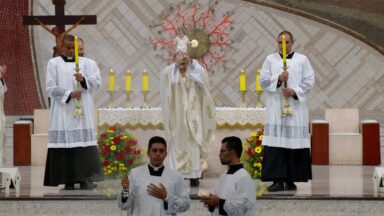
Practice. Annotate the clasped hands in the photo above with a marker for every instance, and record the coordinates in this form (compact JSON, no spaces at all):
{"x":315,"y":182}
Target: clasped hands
{"x":283,"y":77}
{"x":152,"y":189}
{"x":210,"y":201}
{"x":78,"y":77}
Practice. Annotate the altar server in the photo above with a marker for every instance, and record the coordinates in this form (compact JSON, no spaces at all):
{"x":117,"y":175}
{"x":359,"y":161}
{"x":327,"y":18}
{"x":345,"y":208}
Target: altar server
{"x":235,"y":193}
{"x":72,"y":147}
{"x":153,"y":189}
{"x":286,"y":139}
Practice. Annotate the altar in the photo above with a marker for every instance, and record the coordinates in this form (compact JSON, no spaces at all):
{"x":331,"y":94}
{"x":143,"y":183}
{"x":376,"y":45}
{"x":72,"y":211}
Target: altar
{"x":145,"y":123}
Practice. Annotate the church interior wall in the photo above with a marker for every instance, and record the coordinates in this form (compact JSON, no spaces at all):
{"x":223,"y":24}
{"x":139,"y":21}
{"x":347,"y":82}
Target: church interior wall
{"x":348,"y":72}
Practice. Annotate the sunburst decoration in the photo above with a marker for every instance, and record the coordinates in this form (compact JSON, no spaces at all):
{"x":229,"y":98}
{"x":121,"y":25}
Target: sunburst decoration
{"x":201,"y":25}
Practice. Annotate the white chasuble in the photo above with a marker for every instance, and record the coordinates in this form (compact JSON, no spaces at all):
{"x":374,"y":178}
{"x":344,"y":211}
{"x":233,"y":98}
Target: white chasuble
{"x":139,"y":202}
{"x":65,"y":130}
{"x":239,"y":192}
{"x":188,"y":117}
{"x":291,"y":131}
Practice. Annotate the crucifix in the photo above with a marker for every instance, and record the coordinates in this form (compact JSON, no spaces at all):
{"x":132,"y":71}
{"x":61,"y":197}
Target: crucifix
{"x":60,"y":20}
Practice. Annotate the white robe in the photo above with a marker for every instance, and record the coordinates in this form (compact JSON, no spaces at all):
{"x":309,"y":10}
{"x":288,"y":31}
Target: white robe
{"x":239,"y":192}
{"x":65,"y":130}
{"x":3,"y":89}
{"x":140,"y":203}
{"x":188,"y":117}
{"x":287,"y":132}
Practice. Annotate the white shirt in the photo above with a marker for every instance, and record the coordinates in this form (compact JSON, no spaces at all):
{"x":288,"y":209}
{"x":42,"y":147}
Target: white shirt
{"x":140,"y":203}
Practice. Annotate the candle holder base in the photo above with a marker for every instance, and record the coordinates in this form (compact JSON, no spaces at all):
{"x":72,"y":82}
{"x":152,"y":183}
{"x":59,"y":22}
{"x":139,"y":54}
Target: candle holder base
{"x":243,"y":104}
{"x":259,"y":103}
{"x":111,"y":105}
{"x":145,"y":103}
{"x":128,"y":94}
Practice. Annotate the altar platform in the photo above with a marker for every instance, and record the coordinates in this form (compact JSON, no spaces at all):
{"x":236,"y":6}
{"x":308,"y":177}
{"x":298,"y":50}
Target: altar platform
{"x":334,"y":190}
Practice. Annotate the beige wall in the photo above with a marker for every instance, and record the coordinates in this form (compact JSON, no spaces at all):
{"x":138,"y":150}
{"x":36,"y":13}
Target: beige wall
{"x":349,"y":73}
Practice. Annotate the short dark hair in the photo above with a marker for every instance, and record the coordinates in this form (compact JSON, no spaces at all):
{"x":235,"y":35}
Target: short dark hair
{"x":68,"y":37}
{"x":234,"y":143}
{"x":156,"y":139}
{"x":285,"y":32}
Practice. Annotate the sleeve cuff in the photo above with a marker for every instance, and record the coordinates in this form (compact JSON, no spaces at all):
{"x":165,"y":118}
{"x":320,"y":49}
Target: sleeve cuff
{"x":84,"y":84}
{"x":221,"y":207}
{"x":66,"y":96}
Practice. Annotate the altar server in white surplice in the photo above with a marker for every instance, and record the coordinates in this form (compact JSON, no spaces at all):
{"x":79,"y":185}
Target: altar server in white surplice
{"x":72,"y":147}
{"x":286,"y":140}
{"x":235,"y":193}
{"x":153,"y":189}
{"x":188,"y":114}
{"x":3,"y":89}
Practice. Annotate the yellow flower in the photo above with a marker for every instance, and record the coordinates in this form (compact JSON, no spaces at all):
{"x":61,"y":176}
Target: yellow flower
{"x":109,"y":131}
{"x":258,"y":164}
{"x":261,"y":137}
{"x":253,"y":135}
{"x":258,"y":149}
{"x":113,"y":147}
{"x":121,"y":164}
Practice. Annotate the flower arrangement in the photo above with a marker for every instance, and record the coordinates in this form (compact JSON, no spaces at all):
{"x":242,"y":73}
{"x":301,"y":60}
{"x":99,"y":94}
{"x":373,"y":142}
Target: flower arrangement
{"x":253,"y":156}
{"x":119,"y":152}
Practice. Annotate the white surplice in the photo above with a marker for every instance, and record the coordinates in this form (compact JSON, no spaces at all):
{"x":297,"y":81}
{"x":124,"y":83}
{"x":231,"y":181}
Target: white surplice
{"x":139,"y":202}
{"x":292,"y":131}
{"x":3,"y":89}
{"x":65,"y":130}
{"x":188,"y":117}
{"x":239,"y":192}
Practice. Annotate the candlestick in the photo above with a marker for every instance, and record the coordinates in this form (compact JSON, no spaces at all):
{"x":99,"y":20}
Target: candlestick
{"x":111,"y":105}
{"x":258,"y":86}
{"x":243,"y":81}
{"x":145,"y":87}
{"x":287,"y":109}
{"x":145,"y":104}
{"x":128,"y":79}
{"x":243,"y":104}
{"x":111,"y":81}
{"x":78,"y":110}
{"x":259,"y":103}
{"x":128,"y":94}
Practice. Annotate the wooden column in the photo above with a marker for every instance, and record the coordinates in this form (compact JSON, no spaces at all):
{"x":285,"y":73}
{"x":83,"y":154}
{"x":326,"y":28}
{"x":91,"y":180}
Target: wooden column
{"x":320,"y":143}
{"x":22,"y":131}
{"x":371,"y":143}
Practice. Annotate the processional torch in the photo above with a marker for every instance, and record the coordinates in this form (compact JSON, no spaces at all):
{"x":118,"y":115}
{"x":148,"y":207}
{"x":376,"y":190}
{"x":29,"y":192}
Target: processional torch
{"x":78,"y":110}
{"x":287,"y":109}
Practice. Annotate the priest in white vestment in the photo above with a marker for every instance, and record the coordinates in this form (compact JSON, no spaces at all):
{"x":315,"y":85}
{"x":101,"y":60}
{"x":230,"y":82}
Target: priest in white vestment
{"x":235,"y":193}
{"x":3,"y":89}
{"x":286,"y":139}
{"x":188,"y":115}
{"x":72,"y":147}
{"x":153,"y":189}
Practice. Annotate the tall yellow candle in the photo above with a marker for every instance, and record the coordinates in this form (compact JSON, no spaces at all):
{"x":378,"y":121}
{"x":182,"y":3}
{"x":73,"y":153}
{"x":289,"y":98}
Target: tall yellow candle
{"x":111,"y":80}
{"x":243,"y":81}
{"x":284,"y":49}
{"x":145,"y":81}
{"x":76,"y":51}
{"x":258,"y":87}
{"x":128,"y":80}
